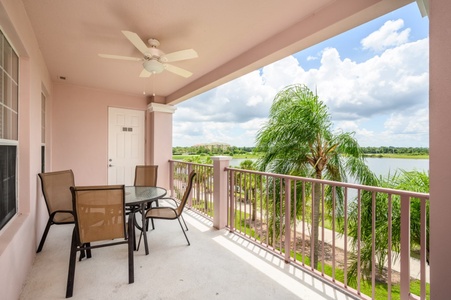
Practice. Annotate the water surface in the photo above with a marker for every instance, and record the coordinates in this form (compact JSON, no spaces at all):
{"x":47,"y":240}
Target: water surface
{"x":380,"y":166}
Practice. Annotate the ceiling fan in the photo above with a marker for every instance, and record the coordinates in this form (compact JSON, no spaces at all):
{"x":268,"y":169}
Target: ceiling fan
{"x":154,"y":60}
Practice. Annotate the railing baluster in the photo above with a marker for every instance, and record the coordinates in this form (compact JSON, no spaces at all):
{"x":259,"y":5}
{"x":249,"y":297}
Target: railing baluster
{"x":267,"y":209}
{"x":281,"y":197}
{"x":345,"y":232}
{"x":295,"y":218}
{"x":312,"y":235}
{"x":322,"y":229}
{"x":373,"y":245}
{"x":303,"y":222}
{"x":273,"y":213}
{"x":287,"y":219}
{"x":333,"y":231}
{"x":405,"y":247}
{"x":261,"y":209}
{"x":423,"y":247}
{"x":232,"y":200}
{"x":359,"y":237}
{"x":389,"y":263}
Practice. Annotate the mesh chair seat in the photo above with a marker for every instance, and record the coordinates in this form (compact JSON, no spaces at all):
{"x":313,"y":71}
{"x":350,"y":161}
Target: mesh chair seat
{"x":162,"y":213}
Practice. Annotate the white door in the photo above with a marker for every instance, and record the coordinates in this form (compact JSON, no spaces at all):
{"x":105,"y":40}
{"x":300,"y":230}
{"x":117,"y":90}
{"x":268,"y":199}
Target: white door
{"x":126,"y":142}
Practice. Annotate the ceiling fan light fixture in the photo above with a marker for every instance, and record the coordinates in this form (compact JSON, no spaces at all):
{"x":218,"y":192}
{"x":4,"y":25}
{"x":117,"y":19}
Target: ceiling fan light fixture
{"x":153,"y":66}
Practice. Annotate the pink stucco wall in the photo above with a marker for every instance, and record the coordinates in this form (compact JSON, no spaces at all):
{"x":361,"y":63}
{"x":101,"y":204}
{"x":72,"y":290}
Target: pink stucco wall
{"x":159,"y":143}
{"x":18,"y":237}
{"x":440,"y":147}
{"x":80,"y":130}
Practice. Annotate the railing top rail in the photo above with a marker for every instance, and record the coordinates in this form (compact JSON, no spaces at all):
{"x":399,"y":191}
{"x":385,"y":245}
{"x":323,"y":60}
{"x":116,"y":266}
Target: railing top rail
{"x":321,"y":181}
{"x":190,"y":163}
{"x":337,"y":183}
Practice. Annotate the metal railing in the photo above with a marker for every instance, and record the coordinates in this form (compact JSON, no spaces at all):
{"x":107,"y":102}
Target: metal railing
{"x":201,"y":199}
{"x":277,"y":212}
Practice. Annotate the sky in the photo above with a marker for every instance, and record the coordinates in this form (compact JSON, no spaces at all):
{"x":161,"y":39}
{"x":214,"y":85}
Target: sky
{"x":374,"y":80}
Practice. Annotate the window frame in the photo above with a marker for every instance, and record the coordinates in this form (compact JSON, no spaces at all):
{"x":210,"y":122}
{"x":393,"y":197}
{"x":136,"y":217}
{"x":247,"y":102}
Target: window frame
{"x":9,"y":127}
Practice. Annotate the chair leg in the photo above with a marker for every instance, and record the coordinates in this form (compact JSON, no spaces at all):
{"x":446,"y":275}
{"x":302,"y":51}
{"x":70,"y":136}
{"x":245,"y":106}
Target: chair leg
{"x":71,"y":273}
{"x":132,"y":220}
{"x":139,"y":241}
{"x":153,"y":225}
{"x":82,"y":255}
{"x":88,"y":251}
{"x":131,"y":243}
{"x":44,"y":235}
{"x":149,"y":205}
{"x":183,"y":219}
{"x":85,"y":252}
{"x":183,"y":230}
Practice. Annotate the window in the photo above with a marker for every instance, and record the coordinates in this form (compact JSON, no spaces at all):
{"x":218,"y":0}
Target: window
{"x":9,"y":100}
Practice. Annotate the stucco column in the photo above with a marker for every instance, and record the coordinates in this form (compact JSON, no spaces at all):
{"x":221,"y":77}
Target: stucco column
{"x":440,"y":146}
{"x":220,"y":190}
{"x":159,"y":139}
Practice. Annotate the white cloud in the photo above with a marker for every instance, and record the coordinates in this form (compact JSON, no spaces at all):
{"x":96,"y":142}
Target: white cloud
{"x":389,"y":35}
{"x":383,"y":100}
{"x":398,"y":79}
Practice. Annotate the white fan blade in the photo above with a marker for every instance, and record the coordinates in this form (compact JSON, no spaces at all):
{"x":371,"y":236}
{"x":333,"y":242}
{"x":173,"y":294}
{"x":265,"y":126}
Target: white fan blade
{"x":180,"y":55}
{"x":136,"y":41}
{"x":120,"y":57}
{"x":178,"y":71}
{"x":145,"y":73}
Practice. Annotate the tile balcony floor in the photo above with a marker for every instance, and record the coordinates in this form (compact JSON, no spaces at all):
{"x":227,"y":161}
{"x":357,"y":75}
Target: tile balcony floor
{"x":217,"y":265}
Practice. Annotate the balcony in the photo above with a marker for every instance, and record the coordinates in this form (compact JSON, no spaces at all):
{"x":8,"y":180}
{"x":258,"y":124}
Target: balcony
{"x":252,"y":256}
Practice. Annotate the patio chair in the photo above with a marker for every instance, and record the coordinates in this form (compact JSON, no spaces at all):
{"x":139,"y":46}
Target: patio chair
{"x":170,"y":213}
{"x":58,"y":199}
{"x":88,"y":201}
{"x":146,"y":175}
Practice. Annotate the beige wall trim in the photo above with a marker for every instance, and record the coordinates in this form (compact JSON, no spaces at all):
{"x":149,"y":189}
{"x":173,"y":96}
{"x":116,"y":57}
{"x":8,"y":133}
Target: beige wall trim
{"x":158,"y":107}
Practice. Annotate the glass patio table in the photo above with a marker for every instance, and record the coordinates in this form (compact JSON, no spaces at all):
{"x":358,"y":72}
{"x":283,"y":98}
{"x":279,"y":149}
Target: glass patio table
{"x":136,"y":198}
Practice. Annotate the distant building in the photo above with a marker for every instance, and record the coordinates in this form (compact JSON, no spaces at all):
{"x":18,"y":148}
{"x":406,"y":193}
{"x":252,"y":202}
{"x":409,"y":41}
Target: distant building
{"x":214,"y":146}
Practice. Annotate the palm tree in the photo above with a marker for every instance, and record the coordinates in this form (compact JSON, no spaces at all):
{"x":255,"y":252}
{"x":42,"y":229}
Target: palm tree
{"x":298,"y":140}
{"x":403,"y":180}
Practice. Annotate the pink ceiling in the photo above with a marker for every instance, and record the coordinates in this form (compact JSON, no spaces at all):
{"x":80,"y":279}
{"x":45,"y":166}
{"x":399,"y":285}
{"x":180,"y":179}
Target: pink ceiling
{"x":231,"y":37}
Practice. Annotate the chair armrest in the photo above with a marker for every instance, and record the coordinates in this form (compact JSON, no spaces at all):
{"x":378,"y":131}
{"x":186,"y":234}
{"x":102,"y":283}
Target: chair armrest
{"x":170,"y":198}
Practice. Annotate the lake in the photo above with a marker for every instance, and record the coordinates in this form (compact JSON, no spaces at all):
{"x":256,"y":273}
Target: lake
{"x":380,"y":166}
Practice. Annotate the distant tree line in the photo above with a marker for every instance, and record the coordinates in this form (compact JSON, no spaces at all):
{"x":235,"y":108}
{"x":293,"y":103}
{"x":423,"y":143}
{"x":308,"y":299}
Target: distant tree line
{"x":396,"y":150}
{"x":211,"y":149}
{"x":225,"y":149}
